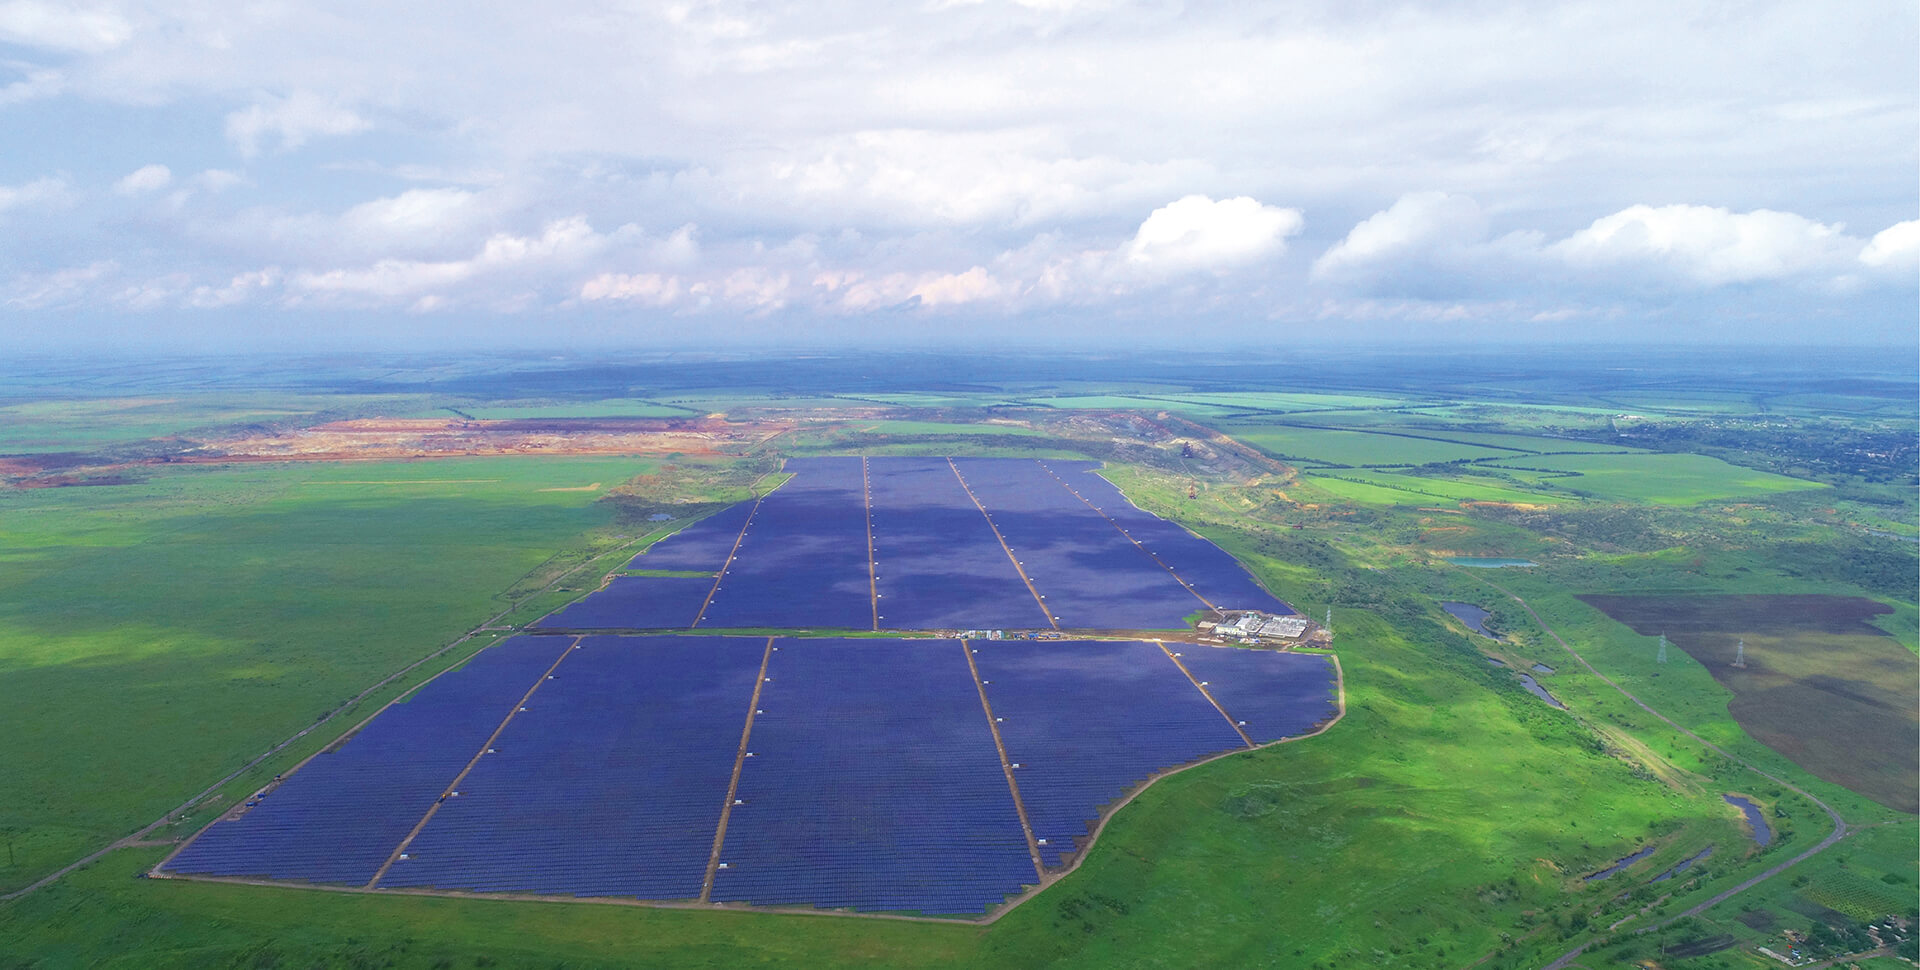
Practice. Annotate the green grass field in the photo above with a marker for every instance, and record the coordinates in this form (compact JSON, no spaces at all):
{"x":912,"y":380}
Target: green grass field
{"x":155,"y":636}
{"x":1652,"y":479}
{"x":1383,"y":488}
{"x":1353,"y":447}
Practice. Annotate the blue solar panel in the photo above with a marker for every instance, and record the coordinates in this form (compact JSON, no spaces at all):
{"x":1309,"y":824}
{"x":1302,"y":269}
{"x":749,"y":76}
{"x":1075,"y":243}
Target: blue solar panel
{"x":874,"y":785}
{"x":703,"y":545}
{"x":1088,"y":720}
{"x":1278,"y":695}
{"x":939,"y":565}
{"x":803,"y":560}
{"x":634,"y":603}
{"x":1091,"y":575}
{"x":338,"y":818}
{"x":610,"y":783}
{"x":1205,"y":566}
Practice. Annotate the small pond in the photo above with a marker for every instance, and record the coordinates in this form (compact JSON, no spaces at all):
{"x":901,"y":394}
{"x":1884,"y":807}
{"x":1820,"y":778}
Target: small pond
{"x":1496,"y":661}
{"x":1473,"y":616}
{"x":1684,"y":865}
{"x":1540,"y":668}
{"x":1533,"y":687}
{"x":1756,"y":819}
{"x":1488,"y":562}
{"x":1622,"y":863}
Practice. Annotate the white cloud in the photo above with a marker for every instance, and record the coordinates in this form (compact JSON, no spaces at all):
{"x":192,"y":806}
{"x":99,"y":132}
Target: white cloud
{"x":648,"y":289}
{"x":1896,"y":247}
{"x":1710,"y":246}
{"x":560,"y":247}
{"x":50,"y":191}
{"x":1418,"y":229}
{"x":1197,"y":233}
{"x":35,"y":83}
{"x":293,"y":120}
{"x":62,"y":27}
{"x":147,"y":178}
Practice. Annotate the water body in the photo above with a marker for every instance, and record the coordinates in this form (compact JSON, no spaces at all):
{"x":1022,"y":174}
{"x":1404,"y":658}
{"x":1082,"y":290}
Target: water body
{"x":1496,"y":661}
{"x":659,"y":517}
{"x":1485,"y":562}
{"x":1473,"y":616}
{"x":1622,"y":863}
{"x":1684,"y":865}
{"x":1756,"y":819}
{"x":1540,"y":668}
{"x":1533,"y":687}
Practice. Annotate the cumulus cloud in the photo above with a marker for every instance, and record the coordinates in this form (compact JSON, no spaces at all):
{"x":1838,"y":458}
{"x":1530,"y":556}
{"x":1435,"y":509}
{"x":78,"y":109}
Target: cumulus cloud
{"x":1198,"y":233}
{"x":561,"y":246}
{"x":1709,"y":246}
{"x":1426,"y":243}
{"x":62,"y":27}
{"x":292,"y":120}
{"x":1896,"y":248}
{"x":147,"y":178}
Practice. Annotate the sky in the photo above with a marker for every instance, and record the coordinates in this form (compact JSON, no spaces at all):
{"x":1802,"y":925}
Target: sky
{"x":203,"y":174}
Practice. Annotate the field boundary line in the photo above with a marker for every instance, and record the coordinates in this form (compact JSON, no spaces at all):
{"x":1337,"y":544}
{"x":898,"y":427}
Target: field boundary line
{"x":873,"y":568}
{"x":733,"y":783}
{"x":1037,"y":598}
{"x":1839,"y":824}
{"x":1013,"y":786}
{"x":1129,"y":536}
{"x":1204,"y":692}
{"x":485,"y":746}
{"x":722,"y":574}
{"x":186,"y":806}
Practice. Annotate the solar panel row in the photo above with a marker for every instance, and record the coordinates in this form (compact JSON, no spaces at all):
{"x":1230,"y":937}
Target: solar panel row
{"x":340,"y":817}
{"x":634,"y":603}
{"x":803,"y":560}
{"x":938,"y":563}
{"x":874,"y":785}
{"x":1095,"y":561}
{"x":703,"y":545}
{"x":1087,"y":722}
{"x":873,"y":781}
{"x":609,"y":784}
{"x":1203,"y":565}
{"x":1091,"y":575}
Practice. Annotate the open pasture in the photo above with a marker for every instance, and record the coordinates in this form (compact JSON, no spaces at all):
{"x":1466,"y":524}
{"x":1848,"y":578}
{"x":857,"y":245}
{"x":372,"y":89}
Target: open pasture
{"x":1821,"y":684}
{"x":1340,"y":447}
{"x":1659,"y":479}
{"x":917,"y":543}
{"x":859,"y":774}
{"x":1384,"y":488}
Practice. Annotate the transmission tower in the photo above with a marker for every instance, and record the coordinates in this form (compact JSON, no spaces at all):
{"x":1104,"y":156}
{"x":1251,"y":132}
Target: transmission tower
{"x":1740,"y":655}
{"x":1662,"y":658}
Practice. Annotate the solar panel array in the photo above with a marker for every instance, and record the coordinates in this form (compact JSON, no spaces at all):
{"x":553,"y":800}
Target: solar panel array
{"x":1085,"y":721}
{"x":634,"y":603}
{"x":975,"y":543}
{"x":870,"y":781}
{"x":1091,"y":575}
{"x":1203,"y":565}
{"x":1276,"y":695}
{"x":874,"y":785}
{"x":803,"y":560}
{"x":340,"y":816}
{"x":701,"y":546}
{"x":609,"y":784}
{"x":938,"y":563}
